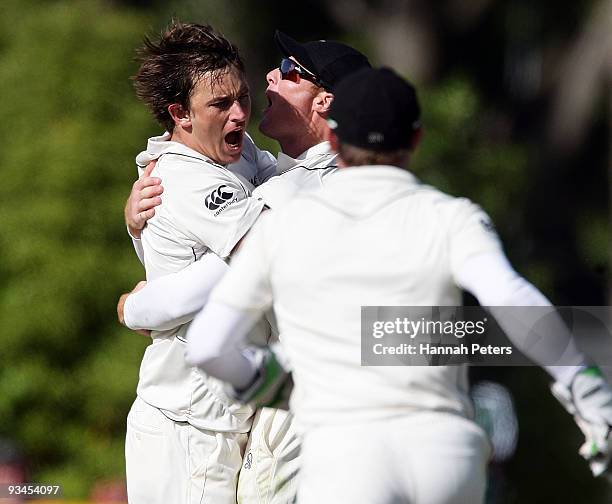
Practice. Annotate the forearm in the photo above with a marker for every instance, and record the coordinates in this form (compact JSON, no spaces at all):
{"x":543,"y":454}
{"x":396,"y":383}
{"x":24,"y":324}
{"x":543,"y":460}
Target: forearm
{"x":546,"y":340}
{"x":216,"y":342}
{"x":173,"y":300}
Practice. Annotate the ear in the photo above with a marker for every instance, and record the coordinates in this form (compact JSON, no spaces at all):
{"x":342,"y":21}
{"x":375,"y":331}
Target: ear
{"x":416,"y":138}
{"x":322,"y":102}
{"x":180,"y":115}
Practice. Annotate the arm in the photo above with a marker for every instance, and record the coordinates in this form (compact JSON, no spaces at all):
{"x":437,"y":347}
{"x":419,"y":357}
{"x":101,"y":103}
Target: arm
{"x":140,"y":206}
{"x":141,"y":203}
{"x":276,"y":192}
{"x":121,"y":304}
{"x":174,"y":299}
{"x":236,"y":304}
{"x":493,"y":281}
{"x":480,"y":266}
{"x":221,"y":353}
{"x":583,"y":391}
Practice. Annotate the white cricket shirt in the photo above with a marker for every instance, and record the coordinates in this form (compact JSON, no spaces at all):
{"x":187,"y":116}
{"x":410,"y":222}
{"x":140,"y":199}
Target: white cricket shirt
{"x":176,"y":296}
{"x":205,"y":208}
{"x":373,"y":235}
{"x":309,"y":170}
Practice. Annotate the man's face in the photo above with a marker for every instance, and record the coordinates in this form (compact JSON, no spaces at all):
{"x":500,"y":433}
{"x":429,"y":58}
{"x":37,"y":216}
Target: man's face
{"x":219,"y":111}
{"x":289,"y":110}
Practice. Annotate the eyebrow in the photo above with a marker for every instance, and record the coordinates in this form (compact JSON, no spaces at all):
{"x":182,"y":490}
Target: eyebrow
{"x":241,"y":92}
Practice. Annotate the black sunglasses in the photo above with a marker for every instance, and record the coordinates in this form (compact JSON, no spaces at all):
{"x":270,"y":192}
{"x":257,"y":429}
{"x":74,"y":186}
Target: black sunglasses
{"x":290,"y":70}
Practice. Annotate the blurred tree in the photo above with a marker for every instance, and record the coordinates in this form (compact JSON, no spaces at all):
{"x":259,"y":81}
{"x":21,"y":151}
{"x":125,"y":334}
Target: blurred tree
{"x":539,"y":83}
{"x":67,"y":370}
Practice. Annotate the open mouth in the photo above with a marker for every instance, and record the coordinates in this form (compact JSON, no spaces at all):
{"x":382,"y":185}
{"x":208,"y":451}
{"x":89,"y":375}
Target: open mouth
{"x":234,"y":139}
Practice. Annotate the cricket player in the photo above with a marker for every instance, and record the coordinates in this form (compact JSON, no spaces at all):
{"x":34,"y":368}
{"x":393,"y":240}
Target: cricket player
{"x":374,"y":235}
{"x":185,"y":437}
{"x":299,"y":99}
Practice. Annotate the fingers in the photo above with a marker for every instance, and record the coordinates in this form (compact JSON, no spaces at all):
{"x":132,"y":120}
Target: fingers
{"x":140,"y":205}
{"x":120,"y":307}
{"x":145,"y":188}
{"x":146,"y":204}
{"x":139,"y":286}
{"x":146,"y":195}
{"x":149,"y":168}
{"x":152,"y":189}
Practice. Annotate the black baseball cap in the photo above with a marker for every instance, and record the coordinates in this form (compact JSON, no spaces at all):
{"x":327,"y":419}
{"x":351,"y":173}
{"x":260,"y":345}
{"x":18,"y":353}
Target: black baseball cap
{"x":375,"y":109}
{"x":328,"y":60}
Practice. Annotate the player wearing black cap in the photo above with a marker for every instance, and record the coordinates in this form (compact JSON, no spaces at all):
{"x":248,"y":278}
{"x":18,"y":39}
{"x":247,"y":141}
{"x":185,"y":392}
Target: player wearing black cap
{"x":375,"y":236}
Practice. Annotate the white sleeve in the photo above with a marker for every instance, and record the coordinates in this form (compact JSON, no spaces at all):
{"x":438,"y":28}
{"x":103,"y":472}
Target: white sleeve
{"x":276,"y":192}
{"x":138,"y":248}
{"x":471,"y":232}
{"x":235,"y":305}
{"x":493,"y":281}
{"x":247,"y":285}
{"x":172,"y":300}
{"x":215,"y":342}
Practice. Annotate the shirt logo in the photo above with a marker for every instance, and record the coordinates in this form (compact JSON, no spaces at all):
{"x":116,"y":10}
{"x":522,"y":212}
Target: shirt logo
{"x":219,"y":196}
{"x":249,"y":461}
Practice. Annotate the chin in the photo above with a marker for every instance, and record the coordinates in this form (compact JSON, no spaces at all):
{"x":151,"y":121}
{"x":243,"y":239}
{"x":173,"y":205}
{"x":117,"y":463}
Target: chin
{"x":232,"y":158}
{"x":266,"y":128}
{"x":262,"y":126}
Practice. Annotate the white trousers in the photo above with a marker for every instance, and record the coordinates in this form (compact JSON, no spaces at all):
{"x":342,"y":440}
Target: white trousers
{"x":170,"y":462}
{"x":271,"y":462}
{"x":424,"y":458}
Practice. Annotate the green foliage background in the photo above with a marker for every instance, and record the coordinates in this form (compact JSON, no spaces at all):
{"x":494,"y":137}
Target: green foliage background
{"x":71,"y":127}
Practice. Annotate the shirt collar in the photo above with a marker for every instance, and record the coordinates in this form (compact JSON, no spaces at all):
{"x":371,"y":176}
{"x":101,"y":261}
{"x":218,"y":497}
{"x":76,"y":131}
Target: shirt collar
{"x":156,"y":146}
{"x":285,"y":162}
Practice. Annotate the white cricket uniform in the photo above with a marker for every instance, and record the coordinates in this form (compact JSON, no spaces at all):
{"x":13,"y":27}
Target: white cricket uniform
{"x":185,"y":436}
{"x":373,"y":235}
{"x":271,"y":462}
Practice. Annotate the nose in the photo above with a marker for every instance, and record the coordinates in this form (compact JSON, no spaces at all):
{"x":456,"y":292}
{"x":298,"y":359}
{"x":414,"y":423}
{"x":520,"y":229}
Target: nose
{"x":273,"y":76}
{"x":239,"y":113}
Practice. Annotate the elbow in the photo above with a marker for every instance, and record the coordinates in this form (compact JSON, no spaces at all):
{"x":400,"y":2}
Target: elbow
{"x":520,"y":292}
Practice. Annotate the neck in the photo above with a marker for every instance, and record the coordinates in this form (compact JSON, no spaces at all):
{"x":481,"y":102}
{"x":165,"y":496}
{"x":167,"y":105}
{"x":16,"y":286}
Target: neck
{"x":182,"y":137}
{"x":295,"y":147}
{"x":179,"y":136}
{"x":297,"y":144}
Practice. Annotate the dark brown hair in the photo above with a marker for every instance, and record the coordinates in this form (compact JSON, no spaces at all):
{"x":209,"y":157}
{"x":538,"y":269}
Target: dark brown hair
{"x":172,"y":65}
